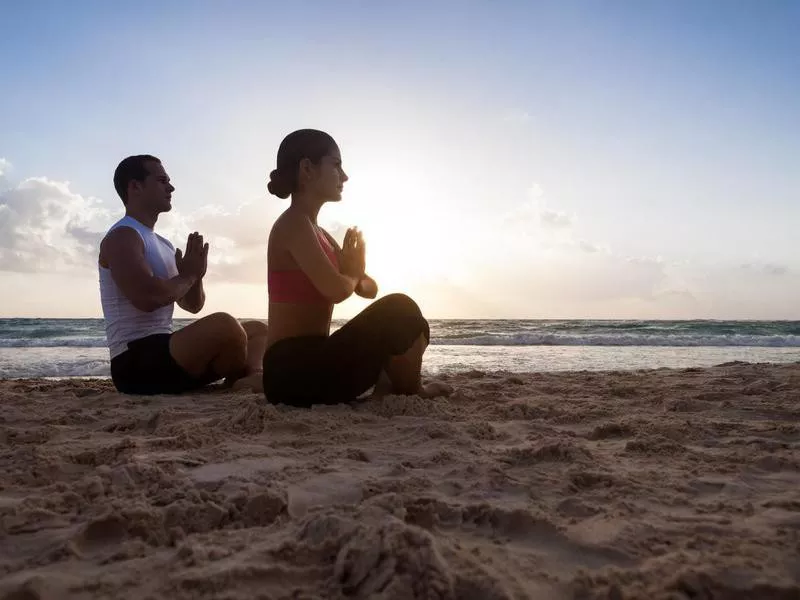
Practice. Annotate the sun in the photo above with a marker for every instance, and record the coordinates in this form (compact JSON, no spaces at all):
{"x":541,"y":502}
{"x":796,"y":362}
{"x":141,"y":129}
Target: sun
{"x":407,"y":243}
{"x":397,"y":258}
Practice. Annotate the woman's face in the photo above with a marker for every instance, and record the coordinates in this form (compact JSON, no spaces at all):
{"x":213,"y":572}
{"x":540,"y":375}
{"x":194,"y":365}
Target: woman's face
{"x":326,"y":179}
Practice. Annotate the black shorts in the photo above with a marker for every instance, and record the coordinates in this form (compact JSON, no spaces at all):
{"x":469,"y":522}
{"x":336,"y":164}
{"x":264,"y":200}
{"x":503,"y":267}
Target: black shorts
{"x":147,"y":368}
{"x":320,"y":369}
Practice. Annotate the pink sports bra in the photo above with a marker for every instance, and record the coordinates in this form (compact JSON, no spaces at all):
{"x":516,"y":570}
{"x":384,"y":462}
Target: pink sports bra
{"x":294,"y":285}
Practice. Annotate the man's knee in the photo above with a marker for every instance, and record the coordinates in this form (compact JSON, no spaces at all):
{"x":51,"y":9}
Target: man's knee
{"x":228,"y":329}
{"x":254,"y":329}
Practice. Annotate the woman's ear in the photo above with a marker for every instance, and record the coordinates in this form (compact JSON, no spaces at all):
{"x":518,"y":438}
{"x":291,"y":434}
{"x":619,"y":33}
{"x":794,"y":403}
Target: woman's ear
{"x":305,"y":170}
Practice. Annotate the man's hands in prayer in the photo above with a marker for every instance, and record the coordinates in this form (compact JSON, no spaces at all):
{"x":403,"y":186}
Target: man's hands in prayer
{"x":195,"y":261}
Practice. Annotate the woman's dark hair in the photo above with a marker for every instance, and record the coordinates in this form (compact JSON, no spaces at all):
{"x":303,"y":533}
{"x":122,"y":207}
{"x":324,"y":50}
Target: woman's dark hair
{"x":303,"y":143}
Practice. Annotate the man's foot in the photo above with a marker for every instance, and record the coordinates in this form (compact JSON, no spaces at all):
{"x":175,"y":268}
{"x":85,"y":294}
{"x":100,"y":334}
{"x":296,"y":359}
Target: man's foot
{"x":253,"y":383}
{"x":246,"y":379}
{"x":382,"y":387}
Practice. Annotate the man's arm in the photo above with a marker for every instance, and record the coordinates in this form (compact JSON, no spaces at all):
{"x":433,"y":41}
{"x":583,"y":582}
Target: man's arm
{"x":195,"y":298}
{"x":122,"y":251}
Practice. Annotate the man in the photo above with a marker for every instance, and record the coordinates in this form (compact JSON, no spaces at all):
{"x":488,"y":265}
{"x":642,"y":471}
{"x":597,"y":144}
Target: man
{"x":142,"y":277}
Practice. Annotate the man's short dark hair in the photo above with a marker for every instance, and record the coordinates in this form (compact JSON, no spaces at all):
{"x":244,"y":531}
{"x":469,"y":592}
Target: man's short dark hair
{"x":130,"y":169}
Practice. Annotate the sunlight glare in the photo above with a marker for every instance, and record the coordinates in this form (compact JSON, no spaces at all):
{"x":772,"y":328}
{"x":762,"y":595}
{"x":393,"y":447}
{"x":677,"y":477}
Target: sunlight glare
{"x":405,"y":230}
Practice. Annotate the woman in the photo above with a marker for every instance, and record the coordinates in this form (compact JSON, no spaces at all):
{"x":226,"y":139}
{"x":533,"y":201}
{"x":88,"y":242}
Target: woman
{"x":307,"y":273}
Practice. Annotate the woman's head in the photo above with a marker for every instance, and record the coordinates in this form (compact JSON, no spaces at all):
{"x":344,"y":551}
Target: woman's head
{"x":309,"y":161}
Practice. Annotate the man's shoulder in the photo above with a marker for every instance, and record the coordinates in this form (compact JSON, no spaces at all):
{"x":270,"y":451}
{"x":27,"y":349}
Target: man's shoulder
{"x":121,"y":230}
{"x":119,"y":240}
{"x":121,"y":235}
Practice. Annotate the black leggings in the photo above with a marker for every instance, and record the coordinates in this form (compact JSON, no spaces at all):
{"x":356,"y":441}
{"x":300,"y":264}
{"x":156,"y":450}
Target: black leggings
{"x":147,"y":367}
{"x":320,"y":369}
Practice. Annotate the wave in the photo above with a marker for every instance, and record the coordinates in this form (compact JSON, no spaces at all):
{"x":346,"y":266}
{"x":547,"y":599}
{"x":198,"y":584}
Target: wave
{"x":53,"y":342}
{"x":90,"y":333}
{"x":520,"y":339}
{"x":77,"y":369}
{"x":676,"y":340}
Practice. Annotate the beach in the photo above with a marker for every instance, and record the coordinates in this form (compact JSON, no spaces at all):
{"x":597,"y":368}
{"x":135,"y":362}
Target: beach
{"x":665,"y":483}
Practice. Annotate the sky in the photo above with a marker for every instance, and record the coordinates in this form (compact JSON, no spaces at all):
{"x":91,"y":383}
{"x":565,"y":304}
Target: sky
{"x":615,"y":160}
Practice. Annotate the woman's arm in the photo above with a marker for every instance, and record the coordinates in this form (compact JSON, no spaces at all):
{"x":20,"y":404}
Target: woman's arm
{"x":367,"y":287}
{"x":305,"y":248}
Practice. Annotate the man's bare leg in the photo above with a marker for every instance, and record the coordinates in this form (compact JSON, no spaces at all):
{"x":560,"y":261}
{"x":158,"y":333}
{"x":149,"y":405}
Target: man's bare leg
{"x":251,"y":378}
{"x":216,"y":342}
{"x":256,"y":345}
{"x":382,"y":387}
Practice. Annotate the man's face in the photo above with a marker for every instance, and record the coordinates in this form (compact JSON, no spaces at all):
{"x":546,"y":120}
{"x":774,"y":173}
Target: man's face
{"x":155,"y":192}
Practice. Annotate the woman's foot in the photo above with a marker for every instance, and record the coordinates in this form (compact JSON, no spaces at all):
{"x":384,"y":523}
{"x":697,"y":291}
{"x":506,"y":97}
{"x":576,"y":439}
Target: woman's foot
{"x":435,"y":389}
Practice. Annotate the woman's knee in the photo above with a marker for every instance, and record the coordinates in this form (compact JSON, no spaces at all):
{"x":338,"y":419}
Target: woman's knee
{"x":401,"y":304}
{"x":405,"y":318}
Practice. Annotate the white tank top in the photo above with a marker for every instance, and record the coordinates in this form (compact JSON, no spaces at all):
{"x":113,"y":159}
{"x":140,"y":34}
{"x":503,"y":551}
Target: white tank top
{"x":124,"y":322}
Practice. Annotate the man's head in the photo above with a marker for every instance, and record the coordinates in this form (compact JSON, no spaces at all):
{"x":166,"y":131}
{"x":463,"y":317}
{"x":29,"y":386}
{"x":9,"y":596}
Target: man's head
{"x":142,"y":183}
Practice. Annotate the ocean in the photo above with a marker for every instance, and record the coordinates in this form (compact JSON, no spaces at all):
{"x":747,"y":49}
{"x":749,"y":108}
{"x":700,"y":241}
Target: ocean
{"x":76,"y":347}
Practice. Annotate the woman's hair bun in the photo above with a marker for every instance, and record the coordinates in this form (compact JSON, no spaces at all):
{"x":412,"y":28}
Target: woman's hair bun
{"x":279,"y":185}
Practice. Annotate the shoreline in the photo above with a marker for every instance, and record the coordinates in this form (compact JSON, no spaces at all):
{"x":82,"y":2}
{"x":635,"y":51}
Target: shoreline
{"x":467,"y":371}
{"x":566,"y":484}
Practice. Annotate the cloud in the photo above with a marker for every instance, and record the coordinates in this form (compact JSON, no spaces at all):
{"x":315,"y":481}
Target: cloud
{"x":766,"y":268}
{"x":534,"y":218}
{"x":5,"y":166}
{"x":556,"y":272}
{"x":45,"y":227}
{"x":590,"y":247}
{"x":534,"y":265}
{"x":554,"y":218}
{"x":237,"y":238}
{"x":535,"y":191}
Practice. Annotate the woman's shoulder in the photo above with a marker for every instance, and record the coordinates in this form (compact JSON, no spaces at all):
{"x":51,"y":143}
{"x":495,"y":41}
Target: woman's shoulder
{"x":288,"y":221}
{"x":289,"y":227}
{"x":292,"y":219}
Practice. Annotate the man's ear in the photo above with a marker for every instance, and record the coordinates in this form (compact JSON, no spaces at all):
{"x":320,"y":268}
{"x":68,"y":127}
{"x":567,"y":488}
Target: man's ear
{"x":134,"y":186}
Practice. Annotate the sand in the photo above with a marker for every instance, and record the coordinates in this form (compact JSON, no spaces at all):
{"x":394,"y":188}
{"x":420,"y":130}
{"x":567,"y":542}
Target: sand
{"x":651,"y":484}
